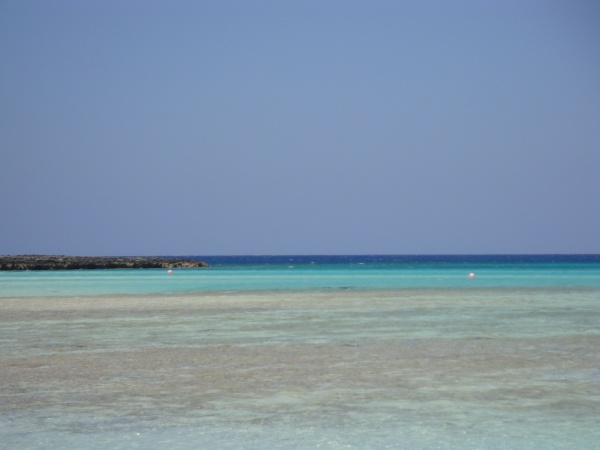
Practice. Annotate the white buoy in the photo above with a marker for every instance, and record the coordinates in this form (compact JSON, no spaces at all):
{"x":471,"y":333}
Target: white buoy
{"x":169,"y":271}
{"x":471,"y":275}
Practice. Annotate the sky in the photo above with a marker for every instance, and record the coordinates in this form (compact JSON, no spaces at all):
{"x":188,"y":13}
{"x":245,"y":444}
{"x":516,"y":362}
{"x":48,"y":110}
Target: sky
{"x":299,"y":127}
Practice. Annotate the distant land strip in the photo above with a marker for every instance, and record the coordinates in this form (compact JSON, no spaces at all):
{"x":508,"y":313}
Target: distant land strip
{"x":59,"y":262}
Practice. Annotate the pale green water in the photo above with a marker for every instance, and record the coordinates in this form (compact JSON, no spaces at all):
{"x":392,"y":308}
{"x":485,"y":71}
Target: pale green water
{"x":470,"y":366}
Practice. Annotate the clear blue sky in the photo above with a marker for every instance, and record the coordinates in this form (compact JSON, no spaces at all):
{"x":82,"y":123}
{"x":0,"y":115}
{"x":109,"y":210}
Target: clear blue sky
{"x":299,"y":127}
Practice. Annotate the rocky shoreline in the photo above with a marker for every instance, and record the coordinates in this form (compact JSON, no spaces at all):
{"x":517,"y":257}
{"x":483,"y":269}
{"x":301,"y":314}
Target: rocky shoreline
{"x":60,"y":262}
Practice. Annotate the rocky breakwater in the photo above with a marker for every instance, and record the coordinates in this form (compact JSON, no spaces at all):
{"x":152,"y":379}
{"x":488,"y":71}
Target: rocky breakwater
{"x":50,"y":262}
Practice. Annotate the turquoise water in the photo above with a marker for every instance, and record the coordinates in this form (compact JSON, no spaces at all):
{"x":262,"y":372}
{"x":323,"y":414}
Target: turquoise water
{"x":314,"y":273}
{"x":305,"y":352}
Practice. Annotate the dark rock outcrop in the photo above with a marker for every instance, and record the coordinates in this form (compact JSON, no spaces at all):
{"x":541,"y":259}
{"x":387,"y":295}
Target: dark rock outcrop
{"x":51,"y":262}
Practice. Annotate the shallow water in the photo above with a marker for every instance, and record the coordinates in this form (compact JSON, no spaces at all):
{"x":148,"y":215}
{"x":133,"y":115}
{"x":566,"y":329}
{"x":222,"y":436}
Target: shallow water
{"x":436,"y":367}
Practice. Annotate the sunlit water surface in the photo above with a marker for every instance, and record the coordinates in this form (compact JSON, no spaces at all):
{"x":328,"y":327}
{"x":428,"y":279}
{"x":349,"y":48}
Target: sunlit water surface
{"x":309,"y":355}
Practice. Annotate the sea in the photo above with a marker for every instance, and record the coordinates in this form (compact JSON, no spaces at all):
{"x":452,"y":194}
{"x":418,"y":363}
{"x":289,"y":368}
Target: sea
{"x":305,"y":352}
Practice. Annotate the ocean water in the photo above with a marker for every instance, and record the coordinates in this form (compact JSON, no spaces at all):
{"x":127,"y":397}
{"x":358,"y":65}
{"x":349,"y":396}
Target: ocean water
{"x":299,"y":352}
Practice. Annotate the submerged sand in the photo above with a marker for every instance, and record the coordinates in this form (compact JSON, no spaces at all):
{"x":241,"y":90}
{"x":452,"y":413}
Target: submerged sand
{"x":349,"y":356}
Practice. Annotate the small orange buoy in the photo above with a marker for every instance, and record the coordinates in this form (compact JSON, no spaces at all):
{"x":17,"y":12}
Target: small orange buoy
{"x":471,"y":275}
{"x":169,"y":271}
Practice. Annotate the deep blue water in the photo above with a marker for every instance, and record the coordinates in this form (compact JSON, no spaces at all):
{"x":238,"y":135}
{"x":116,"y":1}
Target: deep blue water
{"x":440,"y":261}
